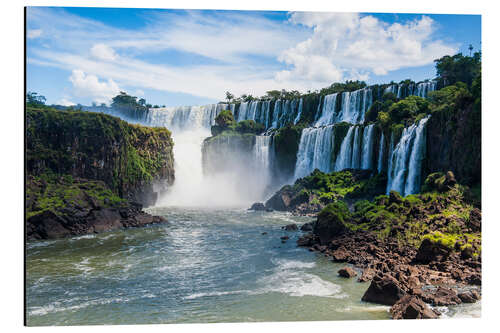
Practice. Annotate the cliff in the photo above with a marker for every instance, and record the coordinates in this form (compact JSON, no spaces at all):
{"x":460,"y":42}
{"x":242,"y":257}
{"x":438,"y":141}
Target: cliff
{"x":130,"y":159}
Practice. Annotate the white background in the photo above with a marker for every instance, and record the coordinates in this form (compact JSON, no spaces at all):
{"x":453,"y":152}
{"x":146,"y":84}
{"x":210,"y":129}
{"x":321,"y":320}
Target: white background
{"x":11,"y":165}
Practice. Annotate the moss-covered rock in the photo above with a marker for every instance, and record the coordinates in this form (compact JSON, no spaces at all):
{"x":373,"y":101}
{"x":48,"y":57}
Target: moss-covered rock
{"x":128,"y":158}
{"x":331,"y":221}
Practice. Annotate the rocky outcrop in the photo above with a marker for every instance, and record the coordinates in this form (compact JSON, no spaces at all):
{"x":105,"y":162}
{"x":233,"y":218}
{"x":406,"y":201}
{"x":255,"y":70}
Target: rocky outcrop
{"x":65,"y":207}
{"x":454,"y":143}
{"x":347,"y":272}
{"x":432,"y":251}
{"x":384,"y":290}
{"x":132,"y":160}
{"x":412,"y":307}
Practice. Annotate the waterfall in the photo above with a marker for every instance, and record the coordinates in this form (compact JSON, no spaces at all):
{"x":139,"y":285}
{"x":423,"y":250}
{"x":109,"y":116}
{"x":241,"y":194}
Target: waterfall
{"x":343,"y":160}
{"x":354,"y":105}
{"x":405,"y":160}
{"x":328,"y":111}
{"x":417,"y":155}
{"x":315,"y":151}
{"x":367,"y":153}
{"x":356,"y":149}
{"x":299,"y":112}
{"x":424,"y":88}
{"x":262,"y":157}
{"x":380,"y":164}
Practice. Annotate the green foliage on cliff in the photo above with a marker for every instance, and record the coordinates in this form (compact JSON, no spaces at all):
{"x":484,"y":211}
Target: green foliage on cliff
{"x":458,"y":68}
{"x":341,"y":87}
{"x":97,"y":146}
{"x":224,"y":119}
{"x":59,"y":193}
{"x":439,"y":216}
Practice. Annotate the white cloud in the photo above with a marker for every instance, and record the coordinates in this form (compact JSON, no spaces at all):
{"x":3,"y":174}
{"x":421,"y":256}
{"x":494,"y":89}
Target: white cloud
{"x":89,"y":86}
{"x":351,"y":46}
{"x":247,"y":53}
{"x":103,"y":52}
{"x":65,"y":102}
{"x":34,"y":33}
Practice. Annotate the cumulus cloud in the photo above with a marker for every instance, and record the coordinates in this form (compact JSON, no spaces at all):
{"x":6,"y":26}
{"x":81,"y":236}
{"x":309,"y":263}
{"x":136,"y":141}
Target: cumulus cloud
{"x":103,"y":52}
{"x":65,"y":102}
{"x":352,"y":46}
{"x":239,"y":52}
{"x":34,"y":33}
{"x":89,"y":86}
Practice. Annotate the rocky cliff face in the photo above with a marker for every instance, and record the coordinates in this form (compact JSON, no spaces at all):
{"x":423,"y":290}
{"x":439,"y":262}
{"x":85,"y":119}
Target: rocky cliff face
{"x":226,"y":152}
{"x":454,"y":143}
{"x":132,"y":160}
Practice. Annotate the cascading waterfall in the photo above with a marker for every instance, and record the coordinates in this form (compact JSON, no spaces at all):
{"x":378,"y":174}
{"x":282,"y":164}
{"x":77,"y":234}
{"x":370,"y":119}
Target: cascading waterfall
{"x":263,"y":158}
{"x":380,"y":164}
{"x":328,"y":111}
{"x":406,"y":159}
{"x":299,"y":112}
{"x":343,"y":160}
{"x":356,"y":148}
{"x":367,"y":153}
{"x":315,"y":151}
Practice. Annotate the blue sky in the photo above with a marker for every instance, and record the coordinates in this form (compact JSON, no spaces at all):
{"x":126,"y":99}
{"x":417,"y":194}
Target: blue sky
{"x":177,"y":57}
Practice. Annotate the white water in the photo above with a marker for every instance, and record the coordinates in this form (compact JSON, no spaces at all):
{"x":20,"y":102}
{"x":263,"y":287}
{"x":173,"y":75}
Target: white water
{"x":380,"y":164}
{"x":315,"y":151}
{"x":367,"y":153}
{"x":406,"y":159}
{"x":343,"y":160}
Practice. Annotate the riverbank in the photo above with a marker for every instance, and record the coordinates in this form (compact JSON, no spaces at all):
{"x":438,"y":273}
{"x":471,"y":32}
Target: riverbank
{"x":417,"y":250}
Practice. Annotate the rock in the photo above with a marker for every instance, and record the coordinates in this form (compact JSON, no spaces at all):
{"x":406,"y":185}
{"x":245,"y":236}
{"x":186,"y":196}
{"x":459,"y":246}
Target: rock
{"x":285,"y":238}
{"x":475,"y":220}
{"x":347,"y":272}
{"x":384,"y":290}
{"x":450,"y":180}
{"x":264,"y":233}
{"x":258,"y":206}
{"x":442,"y":296}
{"x":47,"y":225}
{"x":331,"y":221}
{"x":269,"y":210}
{"x":432,"y":251}
{"x":471,"y":296}
{"x":307,"y":226}
{"x":412,"y":307}
{"x":340,"y":255}
{"x":280,"y":201}
{"x":306,"y":240}
{"x":395,"y":197}
{"x":291,"y":227}
{"x":367,"y":275}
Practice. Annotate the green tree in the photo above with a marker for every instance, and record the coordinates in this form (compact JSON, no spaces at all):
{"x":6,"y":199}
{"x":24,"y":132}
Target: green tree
{"x":224,"y":119}
{"x":229,"y":96}
{"x":458,"y":68}
{"x":33,"y":99}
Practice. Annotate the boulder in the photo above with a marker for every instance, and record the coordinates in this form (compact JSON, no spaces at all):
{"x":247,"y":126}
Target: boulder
{"x":395,"y":197}
{"x":291,"y":227}
{"x":331,"y":221}
{"x":442,"y":296}
{"x":306,"y":240}
{"x":475,"y":220}
{"x":258,"y":206}
{"x":367,"y":275}
{"x":347,"y":272}
{"x":470,"y":296}
{"x":432,"y":251}
{"x":340,"y":255}
{"x":412,"y":307}
{"x":383,"y":290}
{"x":280,"y":201}
{"x":307,"y":226}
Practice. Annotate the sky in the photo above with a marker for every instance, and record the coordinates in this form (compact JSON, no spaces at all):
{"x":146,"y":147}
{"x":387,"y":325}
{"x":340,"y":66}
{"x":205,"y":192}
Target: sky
{"x":192,"y":57}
